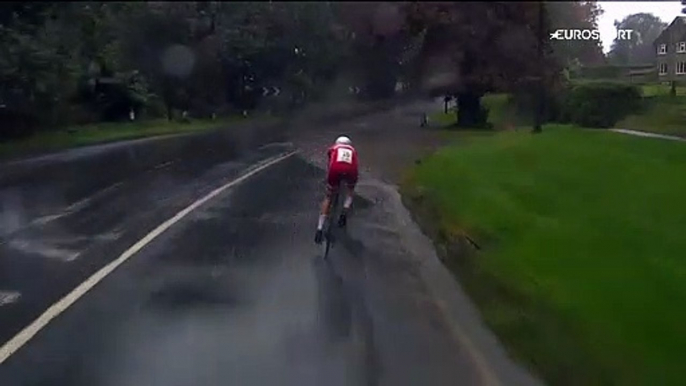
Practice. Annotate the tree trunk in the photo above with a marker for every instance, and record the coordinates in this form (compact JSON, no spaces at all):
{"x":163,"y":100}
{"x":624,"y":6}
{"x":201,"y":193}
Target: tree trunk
{"x":672,"y":91}
{"x":168,"y":106}
{"x":538,"y":120}
{"x":470,"y":112}
{"x":168,"y":97}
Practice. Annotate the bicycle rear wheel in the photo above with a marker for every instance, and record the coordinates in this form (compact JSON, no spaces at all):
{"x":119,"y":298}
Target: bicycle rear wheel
{"x":333,"y":212}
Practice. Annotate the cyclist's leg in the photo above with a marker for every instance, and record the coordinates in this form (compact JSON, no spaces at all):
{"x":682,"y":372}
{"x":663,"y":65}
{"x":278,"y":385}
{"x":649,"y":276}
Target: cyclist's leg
{"x":351,"y":181}
{"x":325,"y":206}
{"x":332,"y":181}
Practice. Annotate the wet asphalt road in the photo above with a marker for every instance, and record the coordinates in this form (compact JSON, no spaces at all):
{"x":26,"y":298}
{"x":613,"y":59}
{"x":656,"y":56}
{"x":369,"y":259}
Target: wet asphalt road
{"x":232,"y":295}
{"x":235,"y":293}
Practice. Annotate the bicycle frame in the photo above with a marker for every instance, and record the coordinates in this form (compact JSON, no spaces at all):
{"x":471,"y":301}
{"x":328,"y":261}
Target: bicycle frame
{"x":333,"y":214}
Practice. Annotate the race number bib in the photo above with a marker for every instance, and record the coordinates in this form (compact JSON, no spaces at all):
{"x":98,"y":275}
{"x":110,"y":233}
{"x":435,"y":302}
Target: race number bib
{"x":344,"y":155}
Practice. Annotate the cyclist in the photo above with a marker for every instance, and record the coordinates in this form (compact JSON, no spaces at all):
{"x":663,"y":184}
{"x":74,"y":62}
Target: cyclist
{"x":341,"y":167}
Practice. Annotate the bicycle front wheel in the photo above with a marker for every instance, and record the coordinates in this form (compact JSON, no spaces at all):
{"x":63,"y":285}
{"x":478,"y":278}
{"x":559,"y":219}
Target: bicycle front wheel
{"x":333,"y":212}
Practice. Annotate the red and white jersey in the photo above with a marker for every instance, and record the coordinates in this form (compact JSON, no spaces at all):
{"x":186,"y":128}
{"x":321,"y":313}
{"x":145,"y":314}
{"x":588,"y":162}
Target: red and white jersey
{"x":342,"y":156}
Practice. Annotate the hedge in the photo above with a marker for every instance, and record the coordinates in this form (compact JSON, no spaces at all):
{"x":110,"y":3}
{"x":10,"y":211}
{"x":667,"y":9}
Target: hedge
{"x":598,"y":72}
{"x":599,"y":104}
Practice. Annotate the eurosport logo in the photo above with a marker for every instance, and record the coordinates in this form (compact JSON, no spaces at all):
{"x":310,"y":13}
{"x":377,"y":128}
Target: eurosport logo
{"x":587,"y":34}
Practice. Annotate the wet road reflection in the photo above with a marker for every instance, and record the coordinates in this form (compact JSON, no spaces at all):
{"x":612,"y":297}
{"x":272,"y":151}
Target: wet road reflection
{"x":233,"y":295}
{"x":343,"y":310}
{"x":334,"y":305}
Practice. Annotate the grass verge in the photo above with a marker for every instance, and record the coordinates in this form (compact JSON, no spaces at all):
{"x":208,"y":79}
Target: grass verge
{"x":501,"y":114}
{"x":443,"y":119}
{"x":580,"y":270}
{"x":103,"y":133}
{"x":659,"y":89}
{"x":661,"y":114}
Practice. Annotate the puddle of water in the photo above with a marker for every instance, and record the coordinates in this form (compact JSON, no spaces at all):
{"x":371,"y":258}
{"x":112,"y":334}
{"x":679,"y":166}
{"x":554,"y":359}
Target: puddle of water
{"x":209,"y":288}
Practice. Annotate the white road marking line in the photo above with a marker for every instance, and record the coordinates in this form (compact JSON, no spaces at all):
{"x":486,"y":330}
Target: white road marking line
{"x":75,"y":207}
{"x":46,"y":219}
{"x":45,"y":250}
{"x":19,"y":340}
{"x":160,"y":166}
{"x":9,"y":297}
{"x":51,"y":248}
{"x":275,"y":144}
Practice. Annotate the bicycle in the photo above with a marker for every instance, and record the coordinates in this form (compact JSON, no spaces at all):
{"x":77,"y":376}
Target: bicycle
{"x":334,"y":214}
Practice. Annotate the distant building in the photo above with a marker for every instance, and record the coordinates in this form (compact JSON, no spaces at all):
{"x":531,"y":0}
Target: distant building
{"x":641,"y":73}
{"x":670,"y":51}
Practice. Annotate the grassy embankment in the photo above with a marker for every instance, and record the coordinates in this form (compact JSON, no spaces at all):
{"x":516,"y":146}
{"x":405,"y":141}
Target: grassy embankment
{"x":501,"y":114}
{"x":580,"y":270}
{"x":107,"y":132}
{"x":661,"y":114}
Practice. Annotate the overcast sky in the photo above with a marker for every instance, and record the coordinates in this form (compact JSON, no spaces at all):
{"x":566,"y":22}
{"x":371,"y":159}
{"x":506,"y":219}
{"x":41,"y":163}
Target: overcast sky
{"x":618,"y":10}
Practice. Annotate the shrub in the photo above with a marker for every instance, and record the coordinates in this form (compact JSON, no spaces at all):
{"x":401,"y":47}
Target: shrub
{"x":16,"y":123}
{"x":599,"y":72}
{"x":525,"y":100}
{"x":155,"y":108}
{"x":600,"y":104}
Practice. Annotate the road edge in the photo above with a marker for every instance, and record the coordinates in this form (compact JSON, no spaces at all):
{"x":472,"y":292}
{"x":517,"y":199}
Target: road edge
{"x":496,"y":366}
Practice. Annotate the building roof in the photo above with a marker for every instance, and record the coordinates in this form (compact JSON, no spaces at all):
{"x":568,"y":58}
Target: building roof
{"x":678,"y":19}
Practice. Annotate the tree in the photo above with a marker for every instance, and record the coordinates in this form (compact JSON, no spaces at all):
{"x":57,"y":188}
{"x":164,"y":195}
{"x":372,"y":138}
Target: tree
{"x":454,"y":59}
{"x":575,"y":15}
{"x":38,"y":68}
{"x":103,"y":59}
{"x":379,"y":43}
{"x":639,"y":49}
{"x":308,"y":50}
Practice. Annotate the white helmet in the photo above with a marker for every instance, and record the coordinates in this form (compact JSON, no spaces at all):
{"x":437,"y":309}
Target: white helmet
{"x":343,"y":140}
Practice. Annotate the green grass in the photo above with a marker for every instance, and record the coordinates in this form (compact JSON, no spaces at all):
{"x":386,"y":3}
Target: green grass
{"x":103,"y":133}
{"x":581,"y":270}
{"x":657,"y":89}
{"x":648,"y":89}
{"x":661,"y":114}
{"x":441,"y":119}
{"x":501,"y":114}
